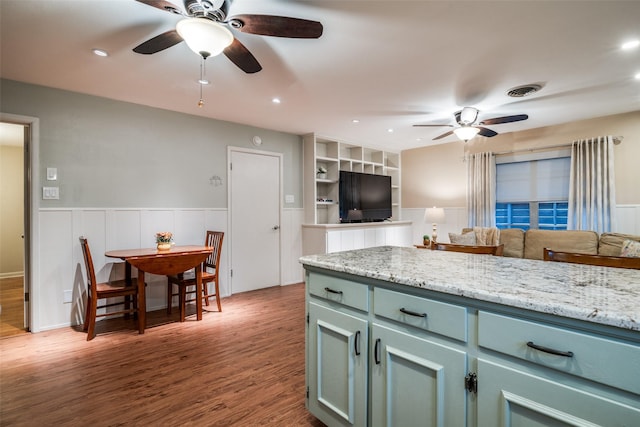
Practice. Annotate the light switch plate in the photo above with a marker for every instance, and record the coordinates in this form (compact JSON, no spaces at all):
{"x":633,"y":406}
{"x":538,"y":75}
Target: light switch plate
{"x":50,"y":193}
{"x":52,"y":174}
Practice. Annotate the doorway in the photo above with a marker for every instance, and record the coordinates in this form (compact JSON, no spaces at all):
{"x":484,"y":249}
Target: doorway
{"x":14,"y":165}
{"x":255,"y":189}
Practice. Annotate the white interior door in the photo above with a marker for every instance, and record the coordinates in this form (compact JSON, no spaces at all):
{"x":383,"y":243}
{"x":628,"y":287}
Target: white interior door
{"x":255,"y":180}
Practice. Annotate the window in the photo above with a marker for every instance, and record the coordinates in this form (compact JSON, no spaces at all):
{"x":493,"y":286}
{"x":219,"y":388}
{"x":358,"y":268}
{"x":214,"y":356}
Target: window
{"x":550,"y":215}
{"x":532,"y":192}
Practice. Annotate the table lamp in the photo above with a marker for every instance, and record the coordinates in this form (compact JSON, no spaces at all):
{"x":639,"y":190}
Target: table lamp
{"x":434,"y":215}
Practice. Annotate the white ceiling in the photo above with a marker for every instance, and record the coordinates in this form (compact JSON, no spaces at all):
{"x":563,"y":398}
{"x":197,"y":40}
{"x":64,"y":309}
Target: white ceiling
{"x":390,"y":64}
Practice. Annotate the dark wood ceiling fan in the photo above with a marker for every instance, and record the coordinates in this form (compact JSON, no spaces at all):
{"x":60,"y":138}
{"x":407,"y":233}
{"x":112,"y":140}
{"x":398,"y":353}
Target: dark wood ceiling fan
{"x":467,"y":117}
{"x":216,"y":11}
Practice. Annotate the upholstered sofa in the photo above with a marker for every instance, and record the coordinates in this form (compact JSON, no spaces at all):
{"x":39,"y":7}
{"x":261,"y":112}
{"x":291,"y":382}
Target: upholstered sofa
{"x":531,"y":244}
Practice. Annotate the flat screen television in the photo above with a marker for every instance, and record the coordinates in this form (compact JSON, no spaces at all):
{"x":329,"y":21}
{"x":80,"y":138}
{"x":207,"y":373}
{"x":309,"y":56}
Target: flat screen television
{"x":364,"y":197}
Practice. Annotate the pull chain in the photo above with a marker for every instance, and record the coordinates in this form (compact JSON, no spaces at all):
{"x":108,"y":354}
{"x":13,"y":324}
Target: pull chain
{"x":202,"y":74}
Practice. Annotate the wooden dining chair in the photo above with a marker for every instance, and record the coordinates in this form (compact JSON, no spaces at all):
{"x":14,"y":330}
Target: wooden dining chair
{"x":469,"y":249}
{"x":601,"y":260}
{"x":100,"y":291}
{"x":186,"y":281}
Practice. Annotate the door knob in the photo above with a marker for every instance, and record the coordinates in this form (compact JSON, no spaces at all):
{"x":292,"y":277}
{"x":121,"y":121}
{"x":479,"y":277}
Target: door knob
{"x":276,"y":227}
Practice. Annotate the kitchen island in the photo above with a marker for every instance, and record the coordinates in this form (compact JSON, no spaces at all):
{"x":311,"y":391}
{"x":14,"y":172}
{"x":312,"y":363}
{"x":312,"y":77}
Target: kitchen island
{"x":405,"y":336}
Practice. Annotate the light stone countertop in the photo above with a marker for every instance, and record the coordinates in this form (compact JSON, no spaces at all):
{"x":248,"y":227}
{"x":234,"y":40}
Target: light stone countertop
{"x":605,"y":295}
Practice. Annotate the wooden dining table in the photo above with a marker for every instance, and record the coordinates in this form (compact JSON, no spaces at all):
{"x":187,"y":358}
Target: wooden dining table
{"x":176,"y":260}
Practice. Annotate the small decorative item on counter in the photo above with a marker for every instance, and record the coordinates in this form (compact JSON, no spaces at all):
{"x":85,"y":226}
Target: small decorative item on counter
{"x":322,"y":173}
{"x":426,"y":240}
{"x":163,"y":240}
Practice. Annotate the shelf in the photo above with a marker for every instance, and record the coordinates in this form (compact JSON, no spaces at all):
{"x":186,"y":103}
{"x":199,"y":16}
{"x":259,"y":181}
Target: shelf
{"x":326,"y":159}
{"x":336,"y":156}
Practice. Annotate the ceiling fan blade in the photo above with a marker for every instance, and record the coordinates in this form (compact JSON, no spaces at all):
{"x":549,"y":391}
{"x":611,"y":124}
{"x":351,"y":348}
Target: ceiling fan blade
{"x":163,"y":5}
{"x":158,"y":43}
{"x":486,"y":132}
{"x":444,"y":135}
{"x":240,"y":55}
{"x":505,"y":119}
{"x":277,"y":26}
{"x":433,"y":126}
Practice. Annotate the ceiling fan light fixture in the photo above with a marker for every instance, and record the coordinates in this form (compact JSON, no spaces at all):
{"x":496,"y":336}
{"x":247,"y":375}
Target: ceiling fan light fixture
{"x":204,"y":37}
{"x":468,"y":115}
{"x":465,"y":133}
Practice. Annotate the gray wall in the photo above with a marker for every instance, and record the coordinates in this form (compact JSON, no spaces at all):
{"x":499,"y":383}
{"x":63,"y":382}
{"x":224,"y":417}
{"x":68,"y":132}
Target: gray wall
{"x":116,"y":154}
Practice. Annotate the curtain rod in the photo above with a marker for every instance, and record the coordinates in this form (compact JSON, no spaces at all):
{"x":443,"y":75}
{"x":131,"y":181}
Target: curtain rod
{"x":616,"y":140}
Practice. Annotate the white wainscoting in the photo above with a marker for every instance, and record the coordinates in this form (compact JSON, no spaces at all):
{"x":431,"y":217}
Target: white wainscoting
{"x":60,"y":266}
{"x":628,"y":219}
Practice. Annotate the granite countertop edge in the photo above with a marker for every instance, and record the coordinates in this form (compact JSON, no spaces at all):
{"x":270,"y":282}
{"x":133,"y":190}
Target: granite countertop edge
{"x":617,"y":310}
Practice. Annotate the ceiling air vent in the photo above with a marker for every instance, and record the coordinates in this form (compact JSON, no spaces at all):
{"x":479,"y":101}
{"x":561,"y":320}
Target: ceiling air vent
{"x":524,"y":90}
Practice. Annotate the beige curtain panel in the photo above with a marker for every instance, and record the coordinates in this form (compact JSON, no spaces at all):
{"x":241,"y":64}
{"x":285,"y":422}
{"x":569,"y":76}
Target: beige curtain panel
{"x":481,"y":190}
{"x":592,"y":192}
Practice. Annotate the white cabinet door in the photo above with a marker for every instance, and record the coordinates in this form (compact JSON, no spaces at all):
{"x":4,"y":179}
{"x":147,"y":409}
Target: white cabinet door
{"x":508,"y":397}
{"x":337,"y":374}
{"x":416,"y":382}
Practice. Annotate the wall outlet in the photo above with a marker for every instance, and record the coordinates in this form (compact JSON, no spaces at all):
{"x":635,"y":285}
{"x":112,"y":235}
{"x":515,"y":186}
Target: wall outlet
{"x":67,"y":296}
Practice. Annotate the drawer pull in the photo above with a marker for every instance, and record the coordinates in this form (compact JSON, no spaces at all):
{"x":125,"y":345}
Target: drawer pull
{"x":356,"y":343}
{"x":376,"y":352}
{"x":412,"y":313}
{"x":333,"y":291}
{"x":550,"y":350}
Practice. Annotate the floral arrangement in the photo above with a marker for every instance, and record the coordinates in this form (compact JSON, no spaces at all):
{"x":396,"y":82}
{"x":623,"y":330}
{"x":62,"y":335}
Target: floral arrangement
{"x":164,"y":237}
{"x":322,"y":169}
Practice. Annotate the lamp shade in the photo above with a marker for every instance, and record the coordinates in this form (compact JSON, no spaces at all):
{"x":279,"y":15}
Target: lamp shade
{"x":203,"y":36}
{"x":434,"y":215}
{"x":465,"y":133}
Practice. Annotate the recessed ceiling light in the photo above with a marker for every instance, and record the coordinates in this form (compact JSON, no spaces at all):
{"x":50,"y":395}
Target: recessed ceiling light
{"x":276,"y":100}
{"x":203,"y":81}
{"x":632,"y":44}
{"x":390,"y":130}
{"x":638,"y":76}
{"x":100,"y":52}
{"x":355,"y":121}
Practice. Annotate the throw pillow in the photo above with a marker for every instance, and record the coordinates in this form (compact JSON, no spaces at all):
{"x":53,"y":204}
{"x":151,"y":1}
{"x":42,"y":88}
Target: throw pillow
{"x":630,"y":249}
{"x":463,"y":239}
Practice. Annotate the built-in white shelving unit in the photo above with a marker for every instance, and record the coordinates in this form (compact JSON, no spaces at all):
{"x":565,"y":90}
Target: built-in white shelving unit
{"x":321,"y":192}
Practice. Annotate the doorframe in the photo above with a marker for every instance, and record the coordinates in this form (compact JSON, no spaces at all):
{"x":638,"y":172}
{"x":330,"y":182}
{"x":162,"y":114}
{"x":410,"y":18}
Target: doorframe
{"x":280,"y":156}
{"x":31,"y":209}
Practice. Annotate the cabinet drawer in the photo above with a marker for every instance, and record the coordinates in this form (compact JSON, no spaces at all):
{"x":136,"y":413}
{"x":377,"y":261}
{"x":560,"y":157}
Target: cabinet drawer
{"x":345,"y":292}
{"x":433,"y":316}
{"x":596,"y":358}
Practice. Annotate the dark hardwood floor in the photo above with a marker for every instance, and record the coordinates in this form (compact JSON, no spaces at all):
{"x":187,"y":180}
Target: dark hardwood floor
{"x":241,"y":367}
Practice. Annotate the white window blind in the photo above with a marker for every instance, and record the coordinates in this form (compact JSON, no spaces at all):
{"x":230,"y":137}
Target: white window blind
{"x":537,"y":180}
